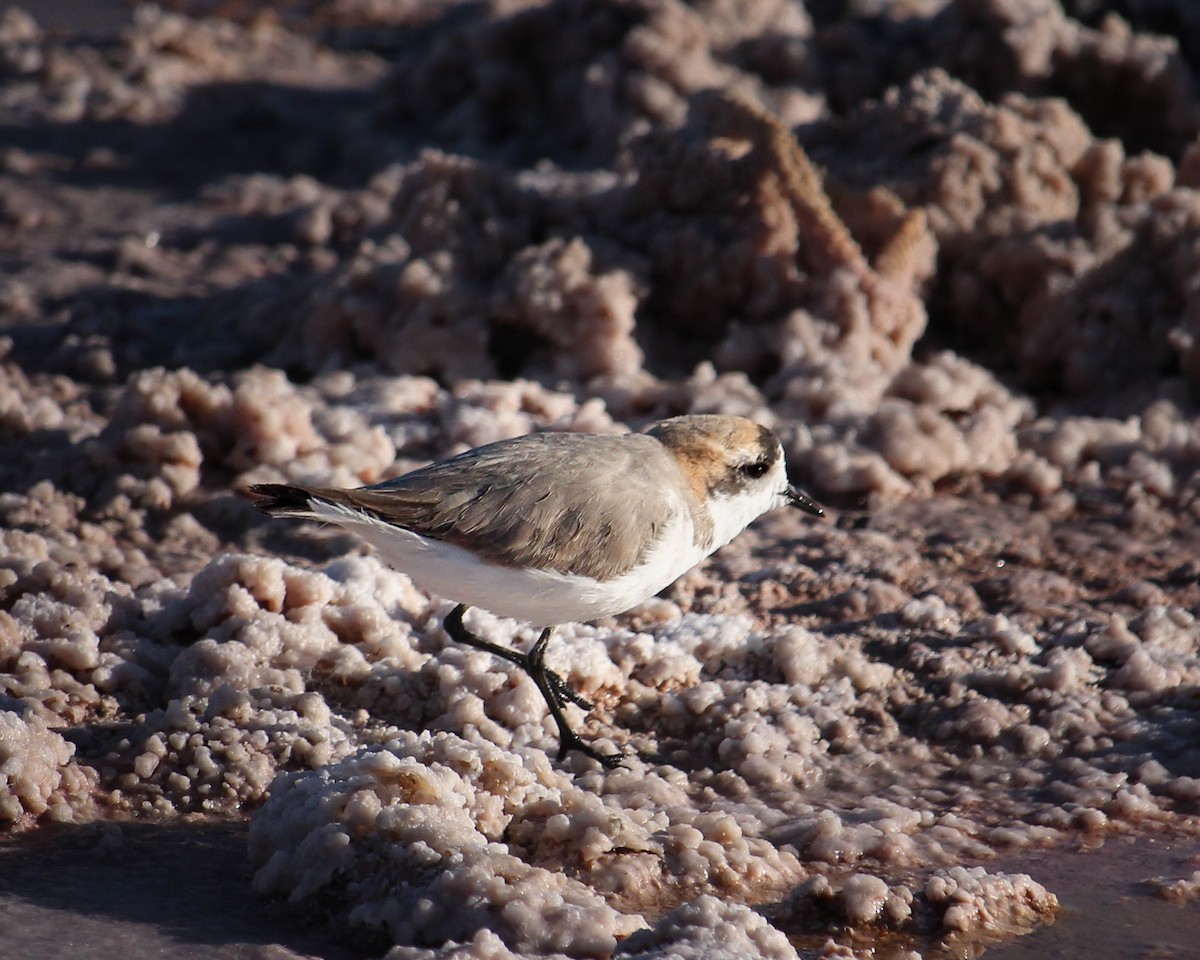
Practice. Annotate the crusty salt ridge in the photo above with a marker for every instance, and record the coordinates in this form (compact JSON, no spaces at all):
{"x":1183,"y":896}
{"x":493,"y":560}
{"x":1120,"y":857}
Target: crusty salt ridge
{"x":967,"y":309}
{"x":38,"y":777}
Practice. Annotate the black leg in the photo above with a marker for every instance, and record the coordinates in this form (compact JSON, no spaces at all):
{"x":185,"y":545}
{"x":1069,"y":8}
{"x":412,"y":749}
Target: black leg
{"x":535,"y":661}
{"x":554,"y":689}
{"x":568,"y":739}
{"x":458,"y":632}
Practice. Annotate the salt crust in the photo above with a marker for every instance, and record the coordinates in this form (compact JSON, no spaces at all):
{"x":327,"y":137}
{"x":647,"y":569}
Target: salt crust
{"x":168,"y":427}
{"x":707,"y":927}
{"x":1181,"y":891}
{"x":955,"y":902}
{"x":704,"y":264}
{"x":839,"y":331}
{"x":256,"y":666}
{"x":38,"y":776}
{"x":416,"y":832}
{"x":254,"y":694}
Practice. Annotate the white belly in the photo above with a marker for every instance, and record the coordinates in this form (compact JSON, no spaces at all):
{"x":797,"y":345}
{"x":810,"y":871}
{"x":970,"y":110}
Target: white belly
{"x":540,"y":597}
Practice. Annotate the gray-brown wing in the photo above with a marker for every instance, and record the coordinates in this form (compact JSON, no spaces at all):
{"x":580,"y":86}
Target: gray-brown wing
{"x":505,"y":504}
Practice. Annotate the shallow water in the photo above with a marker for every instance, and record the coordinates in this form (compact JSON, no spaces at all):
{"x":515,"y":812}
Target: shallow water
{"x":140,"y":891}
{"x":1109,"y":911}
{"x":144,"y":891}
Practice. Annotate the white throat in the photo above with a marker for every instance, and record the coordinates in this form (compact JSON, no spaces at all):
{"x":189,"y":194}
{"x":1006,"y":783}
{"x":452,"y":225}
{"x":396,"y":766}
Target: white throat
{"x":732,"y":513}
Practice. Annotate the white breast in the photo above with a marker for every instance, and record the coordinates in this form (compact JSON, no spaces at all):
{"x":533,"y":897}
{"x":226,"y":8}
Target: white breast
{"x":540,"y":597}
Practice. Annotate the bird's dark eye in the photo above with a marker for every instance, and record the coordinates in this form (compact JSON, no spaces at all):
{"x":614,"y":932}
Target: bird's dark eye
{"x":754,"y":469}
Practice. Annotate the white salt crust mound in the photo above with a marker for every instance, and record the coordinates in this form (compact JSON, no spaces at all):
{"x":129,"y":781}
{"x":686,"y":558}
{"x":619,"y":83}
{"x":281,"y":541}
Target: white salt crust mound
{"x":419,"y":834}
{"x":38,"y":776}
{"x":414,"y":834}
{"x":951,"y":903}
{"x":708,"y":927}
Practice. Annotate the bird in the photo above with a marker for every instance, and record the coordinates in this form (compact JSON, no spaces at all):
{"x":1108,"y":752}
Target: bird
{"x":560,"y":527}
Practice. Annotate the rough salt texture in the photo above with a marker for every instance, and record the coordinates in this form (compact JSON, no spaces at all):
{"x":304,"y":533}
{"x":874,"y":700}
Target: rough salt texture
{"x":441,"y":809}
{"x":706,"y":927}
{"x":950,"y":903}
{"x":1181,"y":891}
{"x":37,"y":775}
{"x":946,"y":248}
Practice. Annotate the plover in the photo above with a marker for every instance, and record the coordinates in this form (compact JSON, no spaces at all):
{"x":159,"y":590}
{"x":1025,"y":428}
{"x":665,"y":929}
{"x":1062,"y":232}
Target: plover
{"x":552,"y":528}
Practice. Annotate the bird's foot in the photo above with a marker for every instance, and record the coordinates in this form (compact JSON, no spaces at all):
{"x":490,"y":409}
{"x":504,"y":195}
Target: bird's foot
{"x":568,"y":740}
{"x":562,"y":692}
{"x":554,"y":689}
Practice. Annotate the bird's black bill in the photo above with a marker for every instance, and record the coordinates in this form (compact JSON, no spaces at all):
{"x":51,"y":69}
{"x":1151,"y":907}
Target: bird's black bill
{"x":798,"y":498}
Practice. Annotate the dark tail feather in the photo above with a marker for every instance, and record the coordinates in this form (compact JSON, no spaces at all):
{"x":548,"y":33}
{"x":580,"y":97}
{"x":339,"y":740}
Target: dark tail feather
{"x":281,"y":500}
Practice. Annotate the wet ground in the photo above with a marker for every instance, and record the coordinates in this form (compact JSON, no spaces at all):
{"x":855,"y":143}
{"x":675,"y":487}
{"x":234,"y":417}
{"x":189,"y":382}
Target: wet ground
{"x":142,"y":891}
{"x":1109,"y":911}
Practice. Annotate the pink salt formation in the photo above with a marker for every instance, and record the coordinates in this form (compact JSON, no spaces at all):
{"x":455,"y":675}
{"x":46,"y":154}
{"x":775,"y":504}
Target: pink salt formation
{"x":945,"y":248}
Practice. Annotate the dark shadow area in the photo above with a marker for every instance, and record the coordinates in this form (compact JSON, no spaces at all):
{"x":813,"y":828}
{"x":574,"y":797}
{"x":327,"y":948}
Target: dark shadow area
{"x":82,"y":19}
{"x":221,"y":129}
{"x":222,"y":331}
{"x":1179,"y":19}
{"x":139,"y":890}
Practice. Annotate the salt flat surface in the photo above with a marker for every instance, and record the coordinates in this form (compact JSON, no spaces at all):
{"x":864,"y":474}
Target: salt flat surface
{"x":945,"y":249}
